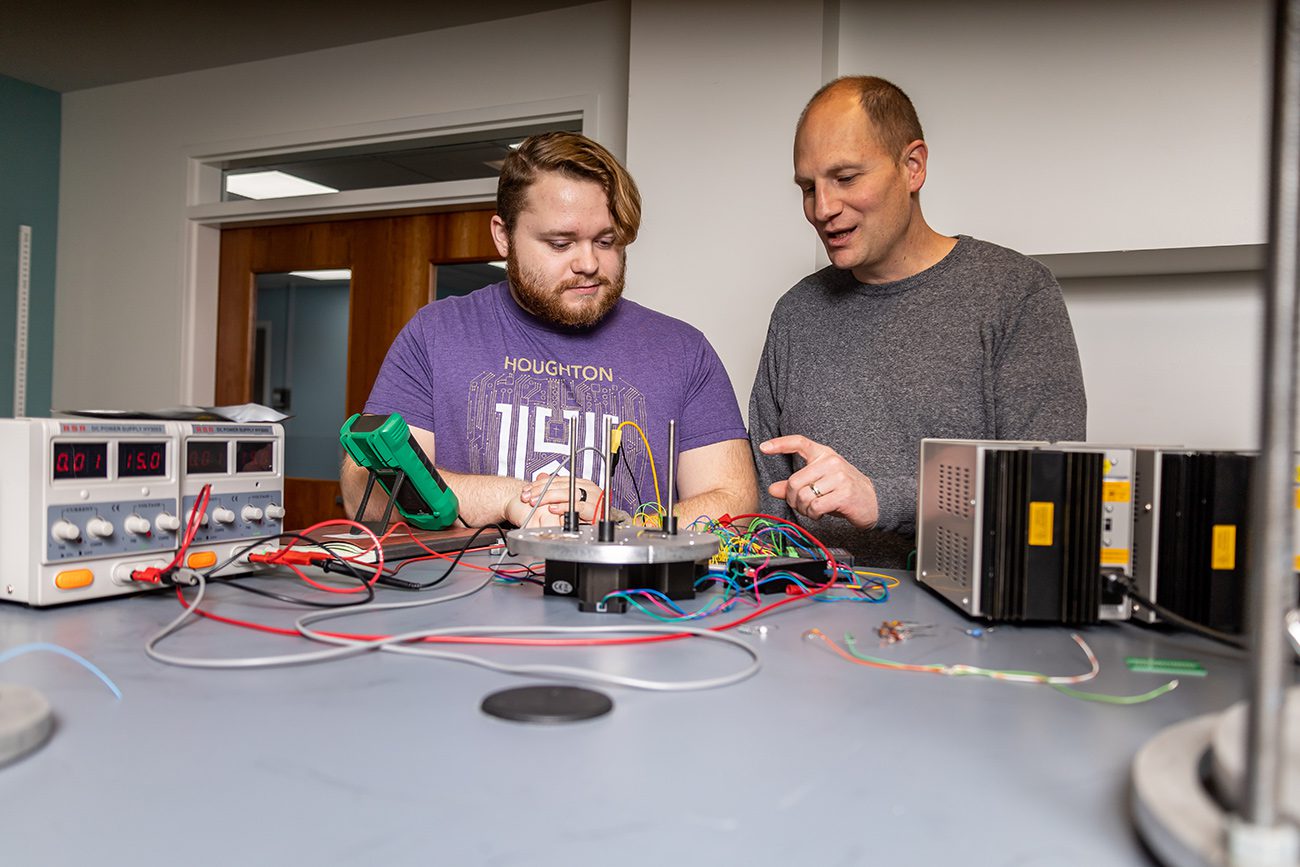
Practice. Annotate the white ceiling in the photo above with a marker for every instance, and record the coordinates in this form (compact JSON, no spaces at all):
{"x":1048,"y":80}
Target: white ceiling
{"x":68,"y":45}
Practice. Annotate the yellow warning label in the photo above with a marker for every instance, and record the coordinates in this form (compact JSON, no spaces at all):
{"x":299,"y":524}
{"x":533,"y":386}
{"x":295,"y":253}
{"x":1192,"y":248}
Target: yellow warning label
{"x":1297,"y":563}
{"x":1041,"y":515}
{"x":1114,"y":556}
{"x":1223,"y":547}
{"x":1116,"y":492}
{"x":1297,"y":498}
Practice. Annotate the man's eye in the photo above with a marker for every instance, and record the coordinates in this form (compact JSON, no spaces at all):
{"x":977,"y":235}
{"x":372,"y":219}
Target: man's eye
{"x":847,"y":179}
{"x":605,"y":243}
{"x":559,"y":245}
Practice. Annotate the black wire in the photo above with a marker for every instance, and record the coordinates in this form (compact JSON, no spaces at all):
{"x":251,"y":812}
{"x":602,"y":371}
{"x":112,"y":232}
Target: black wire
{"x":1177,"y":619}
{"x":344,"y":566}
{"x":294,"y":600}
{"x":239,"y":552}
{"x":632,"y":476}
{"x":413,"y":587}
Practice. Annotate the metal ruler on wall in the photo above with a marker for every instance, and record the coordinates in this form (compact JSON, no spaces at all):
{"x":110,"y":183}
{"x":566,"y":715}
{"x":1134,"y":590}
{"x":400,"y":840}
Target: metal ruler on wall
{"x":20,"y":335}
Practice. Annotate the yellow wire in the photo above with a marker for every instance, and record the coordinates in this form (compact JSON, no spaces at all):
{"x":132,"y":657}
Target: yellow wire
{"x":654,"y":474}
{"x":890,"y":581}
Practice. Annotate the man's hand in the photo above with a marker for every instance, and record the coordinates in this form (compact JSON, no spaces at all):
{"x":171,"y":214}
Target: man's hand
{"x":556,"y":501}
{"x":826,"y":485}
{"x":516,"y":512}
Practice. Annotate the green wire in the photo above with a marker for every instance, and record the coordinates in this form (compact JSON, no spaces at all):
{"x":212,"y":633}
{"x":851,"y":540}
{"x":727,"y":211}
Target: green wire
{"x":989,"y":673}
{"x":1115,"y":699}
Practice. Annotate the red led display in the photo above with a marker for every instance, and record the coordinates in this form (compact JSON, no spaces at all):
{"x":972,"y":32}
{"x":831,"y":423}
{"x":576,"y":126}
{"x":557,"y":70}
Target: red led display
{"x":141,"y":459}
{"x":254,"y":456}
{"x":206,"y":456}
{"x":80,"y":460}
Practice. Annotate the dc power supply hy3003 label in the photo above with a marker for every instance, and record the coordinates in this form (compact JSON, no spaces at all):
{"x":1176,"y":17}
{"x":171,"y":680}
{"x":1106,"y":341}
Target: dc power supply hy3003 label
{"x":83,"y":505}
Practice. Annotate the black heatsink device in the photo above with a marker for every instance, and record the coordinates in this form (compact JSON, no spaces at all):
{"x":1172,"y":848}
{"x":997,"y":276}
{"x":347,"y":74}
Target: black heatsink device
{"x":1041,"y":530}
{"x":1204,"y":500}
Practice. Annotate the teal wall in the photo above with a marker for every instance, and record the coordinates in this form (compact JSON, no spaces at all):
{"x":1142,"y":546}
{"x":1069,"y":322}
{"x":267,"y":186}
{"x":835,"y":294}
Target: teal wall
{"x":29,"y":196}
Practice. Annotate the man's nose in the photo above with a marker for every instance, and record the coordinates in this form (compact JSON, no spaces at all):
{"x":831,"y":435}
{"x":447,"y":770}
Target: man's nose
{"x":826,"y":203}
{"x":584,"y":259}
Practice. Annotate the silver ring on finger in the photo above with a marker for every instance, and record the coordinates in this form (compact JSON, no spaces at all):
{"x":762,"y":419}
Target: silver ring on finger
{"x":813,"y":487}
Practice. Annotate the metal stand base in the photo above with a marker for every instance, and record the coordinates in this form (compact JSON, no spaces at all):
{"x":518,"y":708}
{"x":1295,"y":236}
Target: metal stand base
{"x":1181,"y":774}
{"x":580,"y":565}
{"x":25,"y":721}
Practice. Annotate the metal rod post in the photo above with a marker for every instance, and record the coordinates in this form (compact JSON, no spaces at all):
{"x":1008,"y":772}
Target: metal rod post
{"x":571,"y":517}
{"x":605,"y":529}
{"x":1271,"y":508}
{"x":670,"y":520}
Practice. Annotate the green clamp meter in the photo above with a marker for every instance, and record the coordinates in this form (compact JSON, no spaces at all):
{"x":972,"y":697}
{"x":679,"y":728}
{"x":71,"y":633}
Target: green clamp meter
{"x":383,"y":445}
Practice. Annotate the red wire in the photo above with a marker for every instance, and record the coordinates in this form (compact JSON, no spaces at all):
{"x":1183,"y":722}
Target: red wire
{"x":191,"y":526}
{"x":341,"y":522}
{"x":538,"y":642}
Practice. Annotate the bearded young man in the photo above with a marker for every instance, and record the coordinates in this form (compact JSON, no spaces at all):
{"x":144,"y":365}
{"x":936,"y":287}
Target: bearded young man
{"x":487,"y":382}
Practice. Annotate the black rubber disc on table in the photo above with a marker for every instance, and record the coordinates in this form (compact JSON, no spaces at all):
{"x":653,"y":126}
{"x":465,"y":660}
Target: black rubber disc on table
{"x":547,"y":704}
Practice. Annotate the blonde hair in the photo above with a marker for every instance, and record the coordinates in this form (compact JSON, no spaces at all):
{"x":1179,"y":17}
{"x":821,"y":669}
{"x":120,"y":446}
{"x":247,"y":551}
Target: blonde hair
{"x":576,"y":156}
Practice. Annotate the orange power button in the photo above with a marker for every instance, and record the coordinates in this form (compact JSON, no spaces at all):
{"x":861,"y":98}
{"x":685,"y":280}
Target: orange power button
{"x":74,"y":578}
{"x":201,"y":559}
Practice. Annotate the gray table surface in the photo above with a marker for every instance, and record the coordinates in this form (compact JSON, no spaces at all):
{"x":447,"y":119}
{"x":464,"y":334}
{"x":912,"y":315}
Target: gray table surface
{"x":384,"y":759}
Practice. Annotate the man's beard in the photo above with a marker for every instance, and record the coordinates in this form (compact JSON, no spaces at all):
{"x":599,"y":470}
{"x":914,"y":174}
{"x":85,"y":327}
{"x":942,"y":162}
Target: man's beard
{"x":547,"y":301}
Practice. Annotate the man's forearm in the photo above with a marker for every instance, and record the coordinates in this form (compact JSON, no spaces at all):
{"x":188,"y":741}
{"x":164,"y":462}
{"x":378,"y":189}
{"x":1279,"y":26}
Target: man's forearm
{"x":483,"y":499}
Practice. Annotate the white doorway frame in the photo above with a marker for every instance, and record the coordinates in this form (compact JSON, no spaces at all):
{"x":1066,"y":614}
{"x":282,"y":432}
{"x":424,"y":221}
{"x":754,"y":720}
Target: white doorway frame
{"x":206,"y":214}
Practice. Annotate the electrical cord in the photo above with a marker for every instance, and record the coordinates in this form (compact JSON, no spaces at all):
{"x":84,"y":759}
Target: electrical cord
{"x":1130,"y":590}
{"x":418,"y":587}
{"x":345,"y":646}
{"x":296,"y":600}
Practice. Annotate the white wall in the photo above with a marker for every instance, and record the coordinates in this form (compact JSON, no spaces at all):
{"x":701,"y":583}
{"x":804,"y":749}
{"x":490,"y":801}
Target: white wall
{"x":1061,"y":127}
{"x":714,"y":92}
{"x":1055,"y":128}
{"x":1170,"y":359}
{"x":122,"y":227}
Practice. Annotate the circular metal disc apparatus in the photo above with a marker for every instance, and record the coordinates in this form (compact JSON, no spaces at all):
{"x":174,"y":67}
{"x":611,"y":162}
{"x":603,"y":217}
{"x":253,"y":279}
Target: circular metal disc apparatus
{"x":589,"y":562}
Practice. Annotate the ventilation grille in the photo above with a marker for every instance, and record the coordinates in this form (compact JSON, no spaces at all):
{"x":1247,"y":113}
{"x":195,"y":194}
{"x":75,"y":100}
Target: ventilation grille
{"x":952,"y":556}
{"x":955,"y":490}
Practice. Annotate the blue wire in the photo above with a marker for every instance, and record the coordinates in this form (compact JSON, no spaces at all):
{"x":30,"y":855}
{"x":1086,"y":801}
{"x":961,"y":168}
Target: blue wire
{"x":62,"y":651}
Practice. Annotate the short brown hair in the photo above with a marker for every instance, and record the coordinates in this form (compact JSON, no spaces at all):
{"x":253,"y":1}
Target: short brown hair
{"x":576,"y":156}
{"x":892,"y":114}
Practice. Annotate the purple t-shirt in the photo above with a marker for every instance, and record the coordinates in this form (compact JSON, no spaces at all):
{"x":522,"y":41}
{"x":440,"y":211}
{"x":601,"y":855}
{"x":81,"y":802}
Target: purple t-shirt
{"x":496,"y":386}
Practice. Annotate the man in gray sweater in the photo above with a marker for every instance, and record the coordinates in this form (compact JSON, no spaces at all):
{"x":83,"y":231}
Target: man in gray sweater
{"x":908,"y":334}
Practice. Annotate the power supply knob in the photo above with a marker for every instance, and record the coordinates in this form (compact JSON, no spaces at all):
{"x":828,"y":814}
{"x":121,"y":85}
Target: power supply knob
{"x":251,"y":513}
{"x":274,"y":512}
{"x":223,"y":516}
{"x":137,"y":526}
{"x":167,"y":523}
{"x":99,"y":527}
{"x":65,"y":531}
{"x":203,"y":520}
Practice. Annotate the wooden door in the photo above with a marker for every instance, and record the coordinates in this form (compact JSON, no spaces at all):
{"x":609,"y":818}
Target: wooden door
{"x":392,"y":260}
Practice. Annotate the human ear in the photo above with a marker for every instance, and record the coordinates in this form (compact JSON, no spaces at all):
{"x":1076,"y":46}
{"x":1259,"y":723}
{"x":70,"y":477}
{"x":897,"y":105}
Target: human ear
{"x":500,"y":236}
{"x":915,"y":156}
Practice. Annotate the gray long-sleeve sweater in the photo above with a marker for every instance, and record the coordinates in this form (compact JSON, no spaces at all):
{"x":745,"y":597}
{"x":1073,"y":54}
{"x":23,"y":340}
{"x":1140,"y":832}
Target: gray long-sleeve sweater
{"x":979,"y":346}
